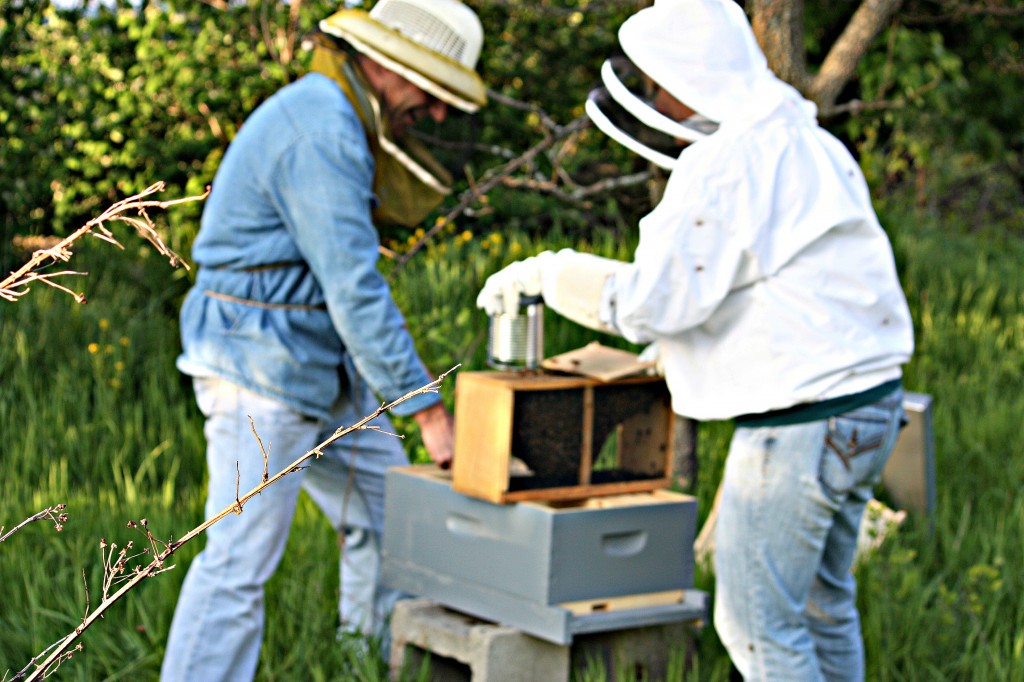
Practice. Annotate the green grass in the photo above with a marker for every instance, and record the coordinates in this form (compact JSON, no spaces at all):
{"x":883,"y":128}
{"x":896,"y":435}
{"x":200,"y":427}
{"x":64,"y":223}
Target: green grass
{"x":93,"y":414}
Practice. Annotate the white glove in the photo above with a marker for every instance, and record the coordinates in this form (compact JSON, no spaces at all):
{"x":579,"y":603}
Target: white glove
{"x":652,"y":353}
{"x":573,"y":286}
{"x":502,"y":290}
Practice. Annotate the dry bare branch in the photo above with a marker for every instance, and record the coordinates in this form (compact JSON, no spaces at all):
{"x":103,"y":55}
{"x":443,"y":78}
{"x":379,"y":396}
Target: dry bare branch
{"x":263,"y":450}
{"x":578,"y":195}
{"x":56,"y":514}
{"x":117,"y":568}
{"x":857,"y":106}
{"x":492,"y":178}
{"x":211,"y":120}
{"x":961,"y":10}
{"x":557,"y":143}
{"x":18,"y":282}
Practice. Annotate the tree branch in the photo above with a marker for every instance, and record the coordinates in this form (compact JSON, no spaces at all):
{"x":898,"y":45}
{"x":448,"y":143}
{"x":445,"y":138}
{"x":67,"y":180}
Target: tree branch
{"x":841,"y":62}
{"x":856,"y":106}
{"x":55,"y":513}
{"x":492,"y":178}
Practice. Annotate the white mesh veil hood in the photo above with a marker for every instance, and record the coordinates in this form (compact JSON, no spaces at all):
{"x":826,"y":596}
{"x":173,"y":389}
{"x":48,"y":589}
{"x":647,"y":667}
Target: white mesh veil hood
{"x":703,"y":52}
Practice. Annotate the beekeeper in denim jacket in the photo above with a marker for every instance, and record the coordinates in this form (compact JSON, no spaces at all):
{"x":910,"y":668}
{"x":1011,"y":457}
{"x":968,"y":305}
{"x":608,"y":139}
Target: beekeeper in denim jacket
{"x":770,"y":290}
{"x":291,"y":324}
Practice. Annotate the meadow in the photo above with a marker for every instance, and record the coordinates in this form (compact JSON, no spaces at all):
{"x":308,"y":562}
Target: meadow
{"x":94,"y":415}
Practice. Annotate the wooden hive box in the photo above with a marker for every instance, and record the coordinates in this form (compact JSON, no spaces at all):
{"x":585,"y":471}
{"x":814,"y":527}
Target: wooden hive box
{"x":577,"y":437}
{"x":551,"y":568}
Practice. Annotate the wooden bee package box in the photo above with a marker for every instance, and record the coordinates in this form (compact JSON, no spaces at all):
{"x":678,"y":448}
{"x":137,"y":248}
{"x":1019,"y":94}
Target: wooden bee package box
{"x":538,"y":436}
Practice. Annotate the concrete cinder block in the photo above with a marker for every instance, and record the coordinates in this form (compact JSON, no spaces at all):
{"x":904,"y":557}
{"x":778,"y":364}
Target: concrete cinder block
{"x":655,"y":652}
{"x":482,"y":652}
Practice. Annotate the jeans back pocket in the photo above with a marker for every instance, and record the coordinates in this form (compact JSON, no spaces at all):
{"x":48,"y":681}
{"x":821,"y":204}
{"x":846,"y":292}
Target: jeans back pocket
{"x":854,"y":452}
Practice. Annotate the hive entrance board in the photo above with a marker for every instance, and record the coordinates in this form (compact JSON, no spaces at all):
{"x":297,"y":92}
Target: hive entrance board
{"x":527,"y":436}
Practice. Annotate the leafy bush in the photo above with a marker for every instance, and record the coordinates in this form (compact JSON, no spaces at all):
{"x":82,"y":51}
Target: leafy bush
{"x":100,"y":105}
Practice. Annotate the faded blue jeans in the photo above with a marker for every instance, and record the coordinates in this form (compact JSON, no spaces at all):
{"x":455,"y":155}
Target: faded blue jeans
{"x":218,"y":623}
{"x":792,"y":501}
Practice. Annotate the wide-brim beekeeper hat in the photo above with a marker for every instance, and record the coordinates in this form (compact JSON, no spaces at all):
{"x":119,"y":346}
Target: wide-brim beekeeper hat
{"x":434,"y":44}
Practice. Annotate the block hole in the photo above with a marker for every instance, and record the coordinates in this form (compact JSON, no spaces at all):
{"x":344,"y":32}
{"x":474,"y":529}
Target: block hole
{"x":428,"y":666}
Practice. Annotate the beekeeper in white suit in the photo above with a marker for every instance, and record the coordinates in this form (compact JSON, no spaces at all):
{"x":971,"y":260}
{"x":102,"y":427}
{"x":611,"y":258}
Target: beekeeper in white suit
{"x":771,"y":291}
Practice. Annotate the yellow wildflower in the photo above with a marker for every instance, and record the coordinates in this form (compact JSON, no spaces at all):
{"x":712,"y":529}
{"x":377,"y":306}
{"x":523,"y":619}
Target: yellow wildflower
{"x":93,"y":347}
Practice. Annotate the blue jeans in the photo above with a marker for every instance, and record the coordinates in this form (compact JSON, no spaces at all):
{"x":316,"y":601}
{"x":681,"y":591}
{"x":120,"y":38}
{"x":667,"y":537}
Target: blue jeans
{"x":218,"y":623}
{"x":792,"y":501}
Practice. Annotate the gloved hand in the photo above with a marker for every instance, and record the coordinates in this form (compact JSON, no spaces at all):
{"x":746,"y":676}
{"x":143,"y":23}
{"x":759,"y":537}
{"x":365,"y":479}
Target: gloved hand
{"x":652,"y":354}
{"x":501,"y":291}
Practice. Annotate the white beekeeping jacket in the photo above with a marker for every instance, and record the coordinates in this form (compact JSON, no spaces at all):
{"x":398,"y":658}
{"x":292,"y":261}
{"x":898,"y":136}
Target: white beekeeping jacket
{"x":763,"y":273}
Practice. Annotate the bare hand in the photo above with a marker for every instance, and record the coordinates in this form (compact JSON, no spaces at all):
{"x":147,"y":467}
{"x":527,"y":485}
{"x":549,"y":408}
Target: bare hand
{"x":437,"y":427}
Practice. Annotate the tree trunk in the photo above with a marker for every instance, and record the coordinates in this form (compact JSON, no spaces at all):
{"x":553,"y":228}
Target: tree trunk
{"x":779,"y":27}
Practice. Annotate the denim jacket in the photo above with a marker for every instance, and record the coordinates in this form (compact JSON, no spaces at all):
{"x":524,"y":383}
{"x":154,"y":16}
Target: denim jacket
{"x":288,"y":291}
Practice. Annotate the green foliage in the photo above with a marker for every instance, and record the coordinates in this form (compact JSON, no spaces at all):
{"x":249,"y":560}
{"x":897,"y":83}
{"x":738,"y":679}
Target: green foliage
{"x":941,"y":128}
{"x":546,"y":54}
{"x":927,"y":79}
{"x":947,"y":142}
{"x":101,"y":105}
{"x":98,"y":106}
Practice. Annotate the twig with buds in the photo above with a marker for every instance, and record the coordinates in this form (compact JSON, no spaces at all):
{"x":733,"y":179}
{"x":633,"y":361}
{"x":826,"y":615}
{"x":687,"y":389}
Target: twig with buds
{"x":55,"y":513}
{"x":116,"y":566}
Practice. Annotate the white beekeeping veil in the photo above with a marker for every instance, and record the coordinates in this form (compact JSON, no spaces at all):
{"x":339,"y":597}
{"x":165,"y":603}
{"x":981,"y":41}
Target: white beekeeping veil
{"x":704,"y":54}
{"x":623,"y":109}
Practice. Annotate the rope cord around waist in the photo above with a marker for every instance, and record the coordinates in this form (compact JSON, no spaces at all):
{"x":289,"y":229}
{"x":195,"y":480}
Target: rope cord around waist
{"x":261,"y":304}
